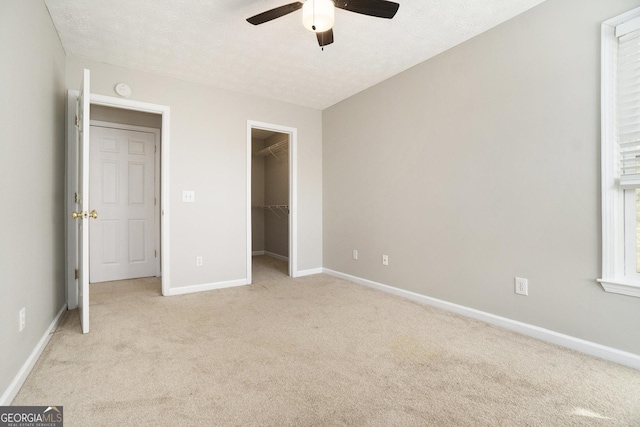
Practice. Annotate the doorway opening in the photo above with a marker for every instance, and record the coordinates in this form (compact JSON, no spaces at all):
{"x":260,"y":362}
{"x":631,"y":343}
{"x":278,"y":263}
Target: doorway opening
{"x":271,"y":219}
{"x":130,"y":114}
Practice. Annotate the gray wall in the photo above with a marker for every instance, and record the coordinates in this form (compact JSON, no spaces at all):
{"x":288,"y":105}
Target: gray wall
{"x":479,"y":165}
{"x":32,"y":117}
{"x":208,"y":154}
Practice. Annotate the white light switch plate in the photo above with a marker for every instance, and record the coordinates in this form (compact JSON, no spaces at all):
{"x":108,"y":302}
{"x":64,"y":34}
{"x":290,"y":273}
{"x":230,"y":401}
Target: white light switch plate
{"x":188,"y":196}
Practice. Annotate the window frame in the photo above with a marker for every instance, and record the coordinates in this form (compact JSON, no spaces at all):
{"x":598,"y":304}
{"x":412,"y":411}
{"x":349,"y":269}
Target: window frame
{"x":614,"y":277}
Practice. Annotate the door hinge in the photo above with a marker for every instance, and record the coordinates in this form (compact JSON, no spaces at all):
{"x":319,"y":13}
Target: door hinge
{"x":77,"y":274}
{"x":77,"y":121}
{"x":155,"y":253}
{"x":155,"y":148}
{"x":155,"y":200}
{"x":75,"y":197}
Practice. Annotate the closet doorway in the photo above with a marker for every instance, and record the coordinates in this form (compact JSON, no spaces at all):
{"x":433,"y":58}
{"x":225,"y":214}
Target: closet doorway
{"x":78,"y":251}
{"x":272,"y":182}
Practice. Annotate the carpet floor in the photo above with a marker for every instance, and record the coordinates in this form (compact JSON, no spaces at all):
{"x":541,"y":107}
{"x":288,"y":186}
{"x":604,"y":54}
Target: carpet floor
{"x":312,"y":351}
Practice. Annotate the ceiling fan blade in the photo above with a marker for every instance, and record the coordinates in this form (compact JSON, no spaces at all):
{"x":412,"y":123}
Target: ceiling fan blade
{"x":325,"y":38}
{"x":269,"y":15}
{"x":377,"y":8}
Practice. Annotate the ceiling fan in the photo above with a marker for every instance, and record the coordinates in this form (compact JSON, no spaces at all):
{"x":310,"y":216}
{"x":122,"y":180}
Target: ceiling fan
{"x":318,"y":15}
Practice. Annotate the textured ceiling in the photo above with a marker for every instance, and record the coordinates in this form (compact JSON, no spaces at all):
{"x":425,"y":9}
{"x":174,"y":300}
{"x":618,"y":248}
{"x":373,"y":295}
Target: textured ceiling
{"x":210,"y":42}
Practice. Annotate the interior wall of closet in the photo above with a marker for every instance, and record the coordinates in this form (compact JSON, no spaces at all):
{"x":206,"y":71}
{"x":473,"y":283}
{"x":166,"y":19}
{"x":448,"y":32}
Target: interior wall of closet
{"x":270,"y":194}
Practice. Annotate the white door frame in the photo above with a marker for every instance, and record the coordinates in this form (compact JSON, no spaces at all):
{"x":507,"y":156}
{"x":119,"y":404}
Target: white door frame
{"x":293,"y":192}
{"x":125,"y":104}
{"x":156,"y":176}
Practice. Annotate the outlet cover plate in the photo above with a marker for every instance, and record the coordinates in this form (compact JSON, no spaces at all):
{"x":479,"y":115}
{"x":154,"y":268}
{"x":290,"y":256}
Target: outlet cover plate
{"x":522,"y":286}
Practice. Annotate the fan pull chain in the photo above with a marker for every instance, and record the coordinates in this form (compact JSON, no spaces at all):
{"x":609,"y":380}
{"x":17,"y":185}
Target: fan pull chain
{"x":313,"y":26}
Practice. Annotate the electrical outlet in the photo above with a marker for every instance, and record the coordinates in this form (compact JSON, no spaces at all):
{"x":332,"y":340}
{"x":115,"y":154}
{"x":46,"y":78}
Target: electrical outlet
{"x":522,"y":286}
{"x":23,"y":318}
{"x":385,"y":259}
{"x":355,"y":254}
{"x":198,"y":261}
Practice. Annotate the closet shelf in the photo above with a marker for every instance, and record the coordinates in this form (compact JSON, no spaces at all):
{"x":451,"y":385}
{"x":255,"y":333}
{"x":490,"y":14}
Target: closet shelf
{"x":274,"y":149}
{"x":284,"y":209}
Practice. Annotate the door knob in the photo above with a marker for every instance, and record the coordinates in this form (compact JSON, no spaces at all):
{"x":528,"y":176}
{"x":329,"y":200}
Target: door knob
{"x":93,"y":214}
{"x":76,"y":215}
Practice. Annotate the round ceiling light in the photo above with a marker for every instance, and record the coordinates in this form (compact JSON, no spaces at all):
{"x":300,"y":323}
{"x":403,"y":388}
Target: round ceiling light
{"x":318,"y":15}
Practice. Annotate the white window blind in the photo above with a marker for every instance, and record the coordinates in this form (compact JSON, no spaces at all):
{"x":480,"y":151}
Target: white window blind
{"x":628,"y":102}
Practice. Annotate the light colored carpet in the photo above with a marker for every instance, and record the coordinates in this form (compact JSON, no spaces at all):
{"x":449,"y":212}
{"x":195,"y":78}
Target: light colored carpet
{"x":312,"y":351}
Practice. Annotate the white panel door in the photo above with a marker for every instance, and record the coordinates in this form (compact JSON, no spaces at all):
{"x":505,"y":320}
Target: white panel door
{"x":123,"y":238}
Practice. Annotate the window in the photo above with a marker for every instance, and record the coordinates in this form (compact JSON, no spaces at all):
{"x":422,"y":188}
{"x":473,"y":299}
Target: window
{"x":621,"y":154}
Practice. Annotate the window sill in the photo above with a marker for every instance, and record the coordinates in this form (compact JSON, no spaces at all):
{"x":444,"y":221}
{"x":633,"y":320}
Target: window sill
{"x":620,"y":287}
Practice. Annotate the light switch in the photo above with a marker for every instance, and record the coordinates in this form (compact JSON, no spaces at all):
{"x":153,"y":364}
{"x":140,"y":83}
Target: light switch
{"x":188,"y":196}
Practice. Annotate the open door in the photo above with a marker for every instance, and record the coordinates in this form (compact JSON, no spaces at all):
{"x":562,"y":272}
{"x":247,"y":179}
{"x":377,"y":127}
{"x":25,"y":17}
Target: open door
{"x":81,"y":214}
{"x":77,"y":191}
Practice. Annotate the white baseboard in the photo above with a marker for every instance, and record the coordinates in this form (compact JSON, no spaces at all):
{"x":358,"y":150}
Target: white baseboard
{"x":271,"y":254}
{"x":13,"y":389}
{"x":276,"y":256}
{"x":181,"y":290}
{"x":310,"y":272}
{"x":608,"y":353}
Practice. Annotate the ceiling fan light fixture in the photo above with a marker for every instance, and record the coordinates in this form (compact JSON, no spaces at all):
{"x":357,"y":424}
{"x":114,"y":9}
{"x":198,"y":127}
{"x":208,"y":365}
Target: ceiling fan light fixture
{"x":318,"y":15}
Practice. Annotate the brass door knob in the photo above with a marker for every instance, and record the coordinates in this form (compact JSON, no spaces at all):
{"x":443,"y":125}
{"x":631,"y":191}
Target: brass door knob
{"x":76,"y":215}
{"x":93,"y":214}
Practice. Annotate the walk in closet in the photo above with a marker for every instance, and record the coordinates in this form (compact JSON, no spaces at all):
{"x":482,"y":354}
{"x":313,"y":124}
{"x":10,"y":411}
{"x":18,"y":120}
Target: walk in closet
{"x":270,"y":194}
